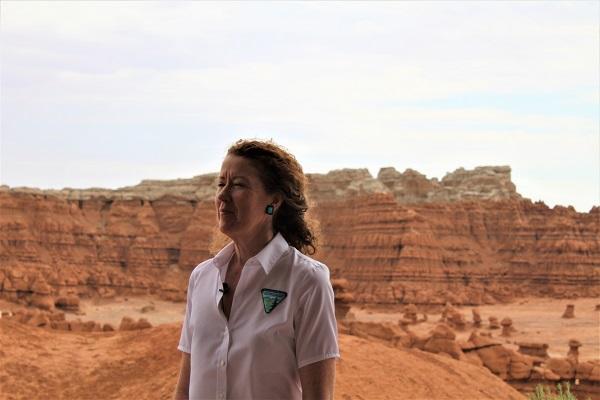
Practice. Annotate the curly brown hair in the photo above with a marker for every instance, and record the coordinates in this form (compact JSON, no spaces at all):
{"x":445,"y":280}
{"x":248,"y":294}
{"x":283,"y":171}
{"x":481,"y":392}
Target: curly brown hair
{"x":281,"y":173}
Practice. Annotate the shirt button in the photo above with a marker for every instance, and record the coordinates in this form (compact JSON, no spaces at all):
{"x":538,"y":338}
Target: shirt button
{"x":222,"y":363}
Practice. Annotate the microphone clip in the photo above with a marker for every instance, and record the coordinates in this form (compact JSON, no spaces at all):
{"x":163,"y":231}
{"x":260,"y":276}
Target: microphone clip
{"x":225,"y":289}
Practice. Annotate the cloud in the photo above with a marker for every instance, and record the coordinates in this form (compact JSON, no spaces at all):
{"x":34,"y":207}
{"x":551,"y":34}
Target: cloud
{"x":352,"y":84}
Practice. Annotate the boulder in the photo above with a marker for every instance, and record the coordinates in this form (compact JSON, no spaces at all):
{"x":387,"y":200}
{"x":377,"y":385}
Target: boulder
{"x":478,"y":341}
{"x":88,"y":326}
{"x":43,"y":302}
{"x":443,"y":345}
{"x":476,"y":317}
{"x":573,"y":354}
{"x":60,"y":325}
{"x":541,"y":373}
{"x":520,"y":366}
{"x":23,"y":316}
{"x":494,"y":324}
{"x":57,"y":316}
{"x":107,"y":328}
{"x":496,"y":359}
{"x":455,"y":319}
{"x":76,"y":325}
{"x":507,"y":327}
{"x":588,"y":370}
{"x":127,"y":324}
{"x":40,"y":286}
{"x":39,"y":320}
{"x":569,"y":311}
{"x":143,"y":323}
{"x":442,"y":340}
{"x":410,"y":313}
{"x":561,"y":367}
{"x":442,"y":331}
{"x":147,"y":308}
{"x":534,"y":349}
{"x":69,"y":303}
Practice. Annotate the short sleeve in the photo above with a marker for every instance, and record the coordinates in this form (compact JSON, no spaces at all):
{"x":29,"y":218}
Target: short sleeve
{"x":186,"y":331}
{"x":315,"y":324}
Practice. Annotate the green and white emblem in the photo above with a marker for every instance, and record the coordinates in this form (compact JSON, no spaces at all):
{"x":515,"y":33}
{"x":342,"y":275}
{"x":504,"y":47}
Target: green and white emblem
{"x":271,"y":298}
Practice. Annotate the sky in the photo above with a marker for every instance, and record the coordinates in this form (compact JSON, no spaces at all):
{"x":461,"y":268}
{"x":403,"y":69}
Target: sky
{"x":105,"y":94}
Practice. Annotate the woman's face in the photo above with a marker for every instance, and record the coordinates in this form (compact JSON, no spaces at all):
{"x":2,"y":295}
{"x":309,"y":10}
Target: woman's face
{"x":241,"y":199}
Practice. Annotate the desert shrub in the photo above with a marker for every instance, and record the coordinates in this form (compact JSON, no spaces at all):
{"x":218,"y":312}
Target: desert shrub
{"x":544,"y":393}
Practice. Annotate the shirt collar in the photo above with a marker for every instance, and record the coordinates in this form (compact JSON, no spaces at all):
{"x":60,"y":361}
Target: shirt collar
{"x":267,"y":257}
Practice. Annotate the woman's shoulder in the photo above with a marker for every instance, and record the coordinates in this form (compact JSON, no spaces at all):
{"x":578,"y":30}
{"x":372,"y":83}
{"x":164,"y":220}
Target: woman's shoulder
{"x":201,"y":269}
{"x":309,"y":268}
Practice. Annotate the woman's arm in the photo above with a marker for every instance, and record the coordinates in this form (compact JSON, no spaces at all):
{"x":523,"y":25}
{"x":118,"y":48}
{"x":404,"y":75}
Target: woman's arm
{"x":318,"y":379}
{"x":183,"y":384}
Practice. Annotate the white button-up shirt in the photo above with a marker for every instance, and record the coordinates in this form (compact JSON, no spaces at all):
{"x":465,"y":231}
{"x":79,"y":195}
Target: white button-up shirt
{"x":256,"y":354}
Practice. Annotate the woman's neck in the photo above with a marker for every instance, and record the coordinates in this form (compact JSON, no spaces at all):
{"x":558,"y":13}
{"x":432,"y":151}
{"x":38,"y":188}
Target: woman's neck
{"x":246,"y":248}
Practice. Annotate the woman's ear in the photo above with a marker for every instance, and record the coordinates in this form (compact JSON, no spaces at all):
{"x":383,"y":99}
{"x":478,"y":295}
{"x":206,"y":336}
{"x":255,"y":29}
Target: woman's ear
{"x":277,"y":200}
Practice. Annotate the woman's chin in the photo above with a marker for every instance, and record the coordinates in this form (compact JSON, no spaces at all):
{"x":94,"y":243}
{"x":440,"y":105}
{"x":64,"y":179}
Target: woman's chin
{"x":226,"y":230}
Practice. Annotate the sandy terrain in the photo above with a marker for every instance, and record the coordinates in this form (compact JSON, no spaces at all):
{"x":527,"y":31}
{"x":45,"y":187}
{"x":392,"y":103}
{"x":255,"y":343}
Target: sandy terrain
{"x":535,"y":319}
{"x":37,"y":363}
{"x":44,"y":364}
{"x":112,"y":310}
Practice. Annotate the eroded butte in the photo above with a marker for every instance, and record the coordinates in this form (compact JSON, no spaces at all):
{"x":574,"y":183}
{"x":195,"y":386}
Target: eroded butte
{"x":425,"y":251}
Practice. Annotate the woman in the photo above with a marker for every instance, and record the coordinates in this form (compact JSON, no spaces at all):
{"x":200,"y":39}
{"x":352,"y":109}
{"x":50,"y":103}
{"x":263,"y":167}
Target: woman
{"x":260,"y":320}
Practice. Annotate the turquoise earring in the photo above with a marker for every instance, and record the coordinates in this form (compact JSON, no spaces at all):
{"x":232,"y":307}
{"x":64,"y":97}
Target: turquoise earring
{"x":270,"y":209}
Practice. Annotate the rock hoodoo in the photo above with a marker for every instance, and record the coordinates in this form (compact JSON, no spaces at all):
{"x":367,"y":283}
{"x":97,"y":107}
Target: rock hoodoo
{"x":534,"y":349}
{"x":569,"y":311}
{"x":442,"y":340}
{"x":476,"y":318}
{"x":494,"y":324}
{"x":507,"y":328}
{"x":573,"y":354}
{"x":410,"y":314}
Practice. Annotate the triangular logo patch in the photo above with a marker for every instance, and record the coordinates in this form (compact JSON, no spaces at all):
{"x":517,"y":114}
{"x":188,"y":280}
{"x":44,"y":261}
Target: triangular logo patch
{"x":271,"y":298}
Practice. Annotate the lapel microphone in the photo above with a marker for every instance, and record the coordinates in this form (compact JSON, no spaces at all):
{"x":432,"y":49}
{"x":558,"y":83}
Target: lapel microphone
{"x":225,"y":288}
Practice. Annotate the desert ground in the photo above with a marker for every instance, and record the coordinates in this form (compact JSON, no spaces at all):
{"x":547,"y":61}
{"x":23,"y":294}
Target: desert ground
{"x":37,"y":363}
{"x":535,"y":320}
{"x":46,"y":364}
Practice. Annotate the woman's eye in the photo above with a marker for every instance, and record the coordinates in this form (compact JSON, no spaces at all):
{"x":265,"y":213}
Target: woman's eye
{"x":220,"y":184}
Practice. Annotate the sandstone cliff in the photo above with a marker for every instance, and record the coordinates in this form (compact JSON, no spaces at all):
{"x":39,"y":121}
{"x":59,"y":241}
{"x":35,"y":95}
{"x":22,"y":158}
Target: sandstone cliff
{"x":398,"y":238}
{"x":486,"y":183}
{"x":462,"y":252}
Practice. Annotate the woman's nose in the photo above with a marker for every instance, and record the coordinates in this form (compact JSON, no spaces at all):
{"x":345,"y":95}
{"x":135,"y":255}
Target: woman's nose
{"x":223,"y":193}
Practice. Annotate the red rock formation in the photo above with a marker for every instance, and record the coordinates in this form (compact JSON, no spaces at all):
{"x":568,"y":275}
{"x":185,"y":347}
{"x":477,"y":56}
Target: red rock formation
{"x":343,"y":298}
{"x":442,"y":340}
{"x":494,"y":324}
{"x":54,"y":247}
{"x":466,"y":252}
{"x":538,"y":350}
{"x":569,"y":311}
{"x":507,"y":328}
{"x":467,"y":239}
{"x":476,"y":318}
{"x":410,"y":314}
{"x":573,"y":354}
{"x":481,"y":183}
